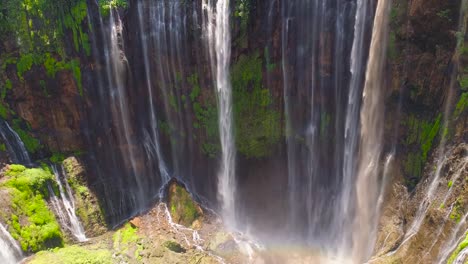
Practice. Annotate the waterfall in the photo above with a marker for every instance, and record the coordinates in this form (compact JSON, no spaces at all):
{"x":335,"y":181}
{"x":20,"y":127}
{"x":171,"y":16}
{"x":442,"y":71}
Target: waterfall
{"x":15,"y":146}
{"x":10,"y":251}
{"x":351,"y":132}
{"x":219,"y":41}
{"x":65,"y":206}
{"x":368,"y":182}
{"x":153,"y":142}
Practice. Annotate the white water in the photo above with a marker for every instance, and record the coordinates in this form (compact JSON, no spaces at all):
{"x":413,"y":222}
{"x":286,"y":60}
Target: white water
{"x":14,"y":144}
{"x":352,"y":114}
{"x":452,"y":242}
{"x":368,"y":182}
{"x":10,"y":251}
{"x":66,"y":207}
{"x":190,"y":236}
{"x":219,"y":41}
{"x":116,"y":63}
{"x":461,"y":256}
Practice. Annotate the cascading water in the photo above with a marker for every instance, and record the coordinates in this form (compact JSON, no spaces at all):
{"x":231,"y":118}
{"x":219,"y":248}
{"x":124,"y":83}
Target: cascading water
{"x":219,"y":41}
{"x":324,"y":196}
{"x":368,"y":183}
{"x":10,"y":251}
{"x":15,"y":146}
{"x":65,"y":206}
{"x":152,"y":145}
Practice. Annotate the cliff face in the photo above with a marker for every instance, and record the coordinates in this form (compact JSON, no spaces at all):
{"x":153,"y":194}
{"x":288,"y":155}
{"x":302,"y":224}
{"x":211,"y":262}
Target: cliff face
{"x":112,"y":118}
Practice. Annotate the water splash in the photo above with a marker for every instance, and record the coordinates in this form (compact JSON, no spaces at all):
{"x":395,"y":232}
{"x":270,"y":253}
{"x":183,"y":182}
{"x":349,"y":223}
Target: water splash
{"x":10,"y":251}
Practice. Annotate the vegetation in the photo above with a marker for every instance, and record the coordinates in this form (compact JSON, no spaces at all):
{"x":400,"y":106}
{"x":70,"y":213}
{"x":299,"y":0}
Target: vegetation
{"x":257,"y":123}
{"x":462,"y":105}
{"x":459,"y":248}
{"x":419,"y":140}
{"x":41,"y":28}
{"x":126,"y":239}
{"x":206,"y":118}
{"x":106,"y":5}
{"x":73,"y":255}
{"x":31,"y":221}
{"x":88,"y":208}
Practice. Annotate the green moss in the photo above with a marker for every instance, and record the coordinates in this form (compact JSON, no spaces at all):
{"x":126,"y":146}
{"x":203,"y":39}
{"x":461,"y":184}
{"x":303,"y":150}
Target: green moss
{"x":174,"y":246}
{"x":57,"y":157}
{"x":32,"y":223}
{"x":193,"y":80}
{"x":206,"y":118}
{"x":106,"y":5}
{"x":3,"y":147}
{"x":457,"y":211}
{"x":88,"y":208}
{"x":73,"y":255}
{"x":126,"y":235}
{"x":126,"y":239}
{"x":450,"y":184}
{"x":420,"y":138}
{"x":257,"y":123}
{"x":463,"y":244}
{"x":462,"y":105}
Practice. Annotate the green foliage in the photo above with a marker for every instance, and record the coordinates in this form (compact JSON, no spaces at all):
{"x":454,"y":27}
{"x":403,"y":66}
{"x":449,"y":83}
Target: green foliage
{"x":450,"y":184}
{"x":3,"y":147}
{"x":73,"y":255}
{"x":206,"y":118}
{"x":257,"y":123}
{"x":24,"y":64}
{"x":3,"y":111}
{"x":40,"y":28}
{"x":420,"y":137}
{"x":174,"y":246}
{"x":57,"y":157}
{"x":193,"y":80}
{"x":463,"y":244}
{"x":106,"y":5}
{"x":32,"y":223}
{"x":463,"y":82}
{"x":462,"y":105}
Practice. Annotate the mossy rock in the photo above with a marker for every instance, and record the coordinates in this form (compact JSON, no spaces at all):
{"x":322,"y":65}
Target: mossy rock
{"x":183,"y":209}
{"x":88,"y":208}
{"x":174,"y":246}
{"x":28,"y":217}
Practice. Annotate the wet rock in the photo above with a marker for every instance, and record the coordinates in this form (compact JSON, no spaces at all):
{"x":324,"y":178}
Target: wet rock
{"x":184,"y":210}
{"x":88,"y":208}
